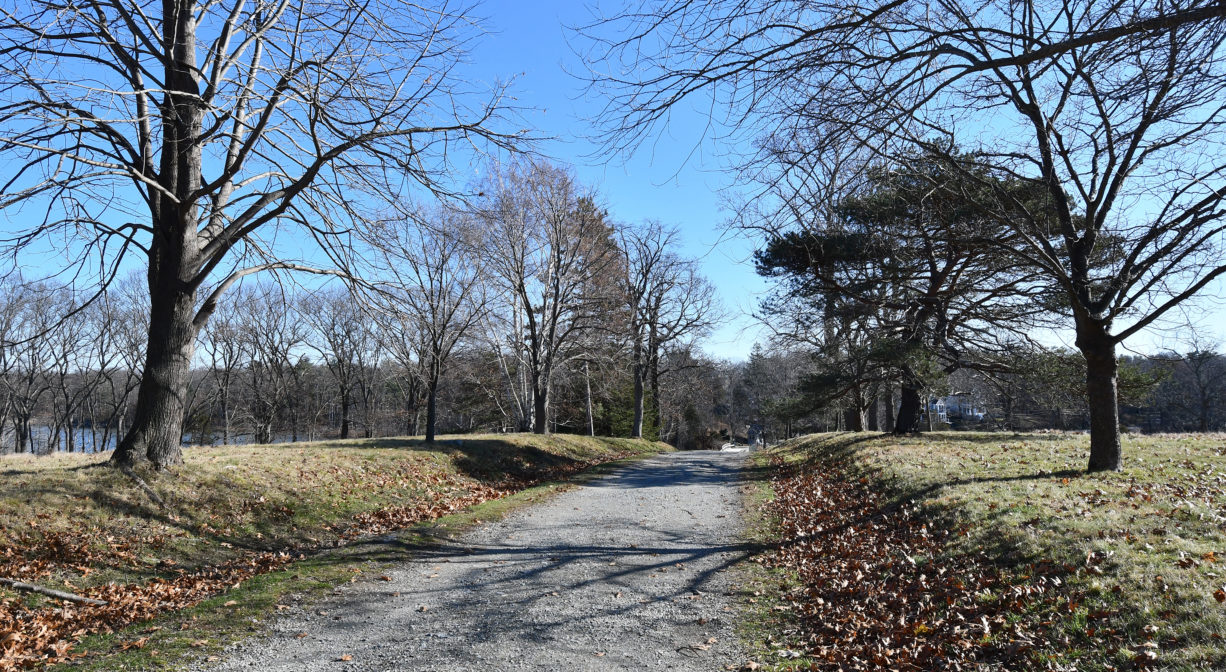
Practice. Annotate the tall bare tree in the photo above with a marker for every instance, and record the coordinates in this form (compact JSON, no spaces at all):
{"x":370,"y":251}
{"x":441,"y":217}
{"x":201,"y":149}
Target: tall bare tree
{"x":666,"y":301}
{"x":546,"y":244}
{"x":27,"y":320}
{"x":433,"y":288}
{"x":223,"y":345}
{"x":196,"y":135}
{"x":271,"y":337}
{"x":1113,"y":110}
{"x":343,"y":337}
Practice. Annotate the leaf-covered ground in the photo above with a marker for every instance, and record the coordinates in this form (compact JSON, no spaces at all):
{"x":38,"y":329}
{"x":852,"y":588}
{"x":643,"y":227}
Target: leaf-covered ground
{"x":991,"y":551}
{"x":68,"y":522}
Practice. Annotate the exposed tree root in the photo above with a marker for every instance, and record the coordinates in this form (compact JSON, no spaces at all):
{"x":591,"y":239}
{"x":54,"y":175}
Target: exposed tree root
{"x":144,"y":486}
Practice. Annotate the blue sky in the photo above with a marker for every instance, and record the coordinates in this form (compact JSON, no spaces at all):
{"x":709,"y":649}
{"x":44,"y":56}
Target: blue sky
{"x":676,"y":179}
{"x":678,"y":176}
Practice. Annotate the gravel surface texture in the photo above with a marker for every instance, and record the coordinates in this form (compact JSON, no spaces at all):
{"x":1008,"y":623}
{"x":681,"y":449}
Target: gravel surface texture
{"x":626,"y":572}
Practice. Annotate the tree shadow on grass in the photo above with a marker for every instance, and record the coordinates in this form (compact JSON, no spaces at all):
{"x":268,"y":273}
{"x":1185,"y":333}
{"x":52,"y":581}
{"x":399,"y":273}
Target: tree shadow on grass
{"x":490,"y":460}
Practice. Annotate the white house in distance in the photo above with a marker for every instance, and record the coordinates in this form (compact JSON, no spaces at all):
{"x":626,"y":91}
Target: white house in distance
{"x":956,"y":406}
{"x":962,"y":405}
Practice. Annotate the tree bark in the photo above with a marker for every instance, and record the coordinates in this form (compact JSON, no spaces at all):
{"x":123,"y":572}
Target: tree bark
{"x":854,"y":419}
{"x":888,"y":398}
{"x":1102,"y":396}
{"x":431,"y":406}
{"x":345,"y":414}
{"x":162,"y":397}
{"x":591,"y":417}
{"x":540,"y":411}
{"x":636,"y":430}
{"x":156,"y":431}
{"x":654,"y":380}
{"x":908,"y":412}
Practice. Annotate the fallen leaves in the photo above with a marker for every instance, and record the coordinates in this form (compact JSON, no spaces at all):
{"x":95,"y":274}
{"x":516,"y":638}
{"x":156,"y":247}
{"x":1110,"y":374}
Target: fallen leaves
{"x":877,"y":590}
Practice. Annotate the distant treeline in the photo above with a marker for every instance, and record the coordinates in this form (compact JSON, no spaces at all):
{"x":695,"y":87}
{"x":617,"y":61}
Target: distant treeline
{"x":279,"y":365}
{"x":1041,"y":389}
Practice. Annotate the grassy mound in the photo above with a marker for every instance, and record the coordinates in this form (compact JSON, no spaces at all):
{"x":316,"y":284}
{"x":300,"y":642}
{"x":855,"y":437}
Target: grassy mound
{"x":996,"y":549}
{"x":242,"y":527}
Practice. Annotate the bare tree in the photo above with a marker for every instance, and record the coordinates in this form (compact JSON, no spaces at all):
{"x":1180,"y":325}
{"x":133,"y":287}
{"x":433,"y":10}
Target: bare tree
{"x":271,"y":337}
{"x":196,"y":135}
{"x":666,"y":301}
{"x":223,"y":345}
{"x":1195,"y":391}
{"x":546,"y":243}
{"x":71,"y":365}
{"x":1112,"y":110}
{"x":28,"y":319}
{"x":433,"y":289}
{"x":343,"y":337}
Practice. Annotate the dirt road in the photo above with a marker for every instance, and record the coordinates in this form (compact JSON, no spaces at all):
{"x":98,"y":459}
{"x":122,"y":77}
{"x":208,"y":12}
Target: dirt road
{"x":627,"y":572}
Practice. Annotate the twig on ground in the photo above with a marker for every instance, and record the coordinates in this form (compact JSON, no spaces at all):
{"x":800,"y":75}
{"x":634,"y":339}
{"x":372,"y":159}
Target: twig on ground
{"x":51,"y":592}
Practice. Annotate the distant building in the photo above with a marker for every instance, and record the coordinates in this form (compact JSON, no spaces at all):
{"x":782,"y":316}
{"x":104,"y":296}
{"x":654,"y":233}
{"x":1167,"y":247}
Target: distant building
{"x":963,"y":406}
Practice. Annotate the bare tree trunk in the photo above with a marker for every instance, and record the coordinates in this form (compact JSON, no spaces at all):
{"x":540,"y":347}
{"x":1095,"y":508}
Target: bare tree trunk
{"x":908,"y":411}
{"x":636,"y":430}
{"x":431,"y":401}
{"x":156,"y":431}
{"x":345,"y":414}
{"x":888,"y":398}
{"x":1102,"y":396}
{"x":854,"y":418}
{"x":161,"y":399}
{"x":540,"y":409}
{"x":654,"y":372}
{"x":225,"y":419}
{"x":591,"y":418}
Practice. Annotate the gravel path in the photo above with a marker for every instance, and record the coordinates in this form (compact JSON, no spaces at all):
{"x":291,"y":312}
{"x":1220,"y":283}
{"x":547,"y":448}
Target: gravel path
{"x":627,"y":572}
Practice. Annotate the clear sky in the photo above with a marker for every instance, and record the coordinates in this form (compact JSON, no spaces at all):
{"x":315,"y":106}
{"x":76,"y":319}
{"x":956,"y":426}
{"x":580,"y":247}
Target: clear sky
{"x":677,"y":178}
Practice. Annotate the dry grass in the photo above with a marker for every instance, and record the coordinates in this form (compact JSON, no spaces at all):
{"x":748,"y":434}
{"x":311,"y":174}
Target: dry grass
{"x":1147,"y":546}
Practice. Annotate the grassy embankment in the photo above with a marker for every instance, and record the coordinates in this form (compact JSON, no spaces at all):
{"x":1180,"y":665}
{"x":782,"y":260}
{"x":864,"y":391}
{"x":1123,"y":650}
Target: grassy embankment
{"x":991,"y":549}
{"x":245,"y":528}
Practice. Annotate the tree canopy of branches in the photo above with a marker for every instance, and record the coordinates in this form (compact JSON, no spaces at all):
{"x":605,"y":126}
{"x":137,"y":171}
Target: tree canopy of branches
{"x":905,"y":276}
{"x":668,"y":303}
{"x":434,"y":292}
{"x":549,"y":247}
{"x":199,"y":136}
{"x":1112,"y":111}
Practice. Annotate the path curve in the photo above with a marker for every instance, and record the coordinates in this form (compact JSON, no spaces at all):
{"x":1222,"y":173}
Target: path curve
{"x":626,"y":572}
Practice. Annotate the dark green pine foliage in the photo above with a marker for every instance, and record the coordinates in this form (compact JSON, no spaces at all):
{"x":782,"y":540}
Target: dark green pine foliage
{"x":904,"y":283}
